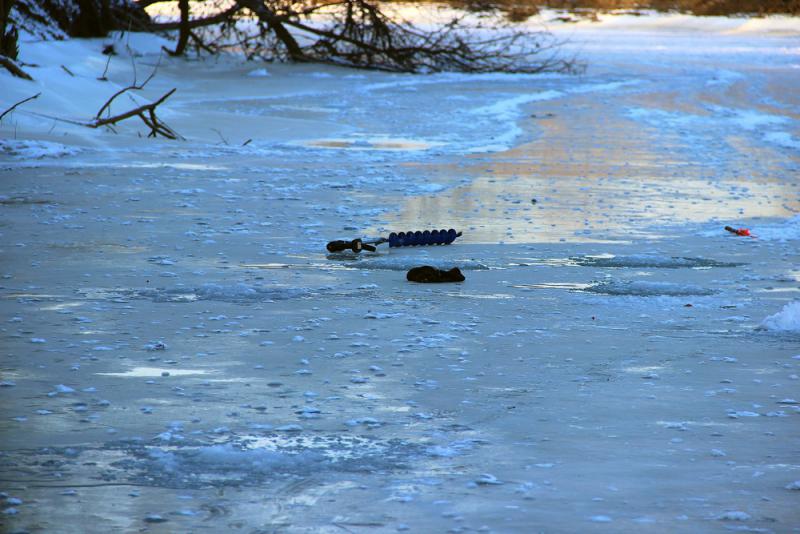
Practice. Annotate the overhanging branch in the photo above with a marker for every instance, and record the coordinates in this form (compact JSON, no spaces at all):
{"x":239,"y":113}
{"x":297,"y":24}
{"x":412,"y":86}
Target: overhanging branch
{"x":147,"y":113}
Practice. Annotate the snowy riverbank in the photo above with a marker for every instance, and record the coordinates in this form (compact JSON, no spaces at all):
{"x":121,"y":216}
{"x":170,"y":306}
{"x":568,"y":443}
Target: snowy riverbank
{"x":179,"y":353}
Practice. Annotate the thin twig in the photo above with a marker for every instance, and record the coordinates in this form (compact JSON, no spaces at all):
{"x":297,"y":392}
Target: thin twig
{"x":131,"y":87}
{"x":200,"y":44}
{"x":197,"y":23}
{"x":54,"y":118}
{"x":225,"y":141}
{"x":9,"y":110}
{"x":102,"y":77}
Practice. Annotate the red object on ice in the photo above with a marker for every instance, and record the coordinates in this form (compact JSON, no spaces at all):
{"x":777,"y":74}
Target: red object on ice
{"x":738,"y":231}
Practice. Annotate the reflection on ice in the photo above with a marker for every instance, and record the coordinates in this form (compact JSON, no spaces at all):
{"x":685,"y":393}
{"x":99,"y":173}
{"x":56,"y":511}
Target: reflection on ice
{"x":376,"y":143}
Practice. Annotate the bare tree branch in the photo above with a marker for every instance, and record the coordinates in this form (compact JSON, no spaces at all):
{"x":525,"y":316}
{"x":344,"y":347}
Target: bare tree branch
{"x":12,"y":67}
{"x":147,"y":113}
{"x":184,"y":29}
{"x":146,"y":3}
{"x":9,"y":110}
{"x":197,"y":23}
{"x":275,"y":23}
{"x":361,"y":34}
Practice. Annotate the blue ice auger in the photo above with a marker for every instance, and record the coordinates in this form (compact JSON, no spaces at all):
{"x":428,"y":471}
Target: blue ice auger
{"x":399,"y":239}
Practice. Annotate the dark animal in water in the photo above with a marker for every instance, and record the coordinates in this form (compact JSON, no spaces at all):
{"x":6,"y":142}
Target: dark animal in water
{"x":428,"y":274}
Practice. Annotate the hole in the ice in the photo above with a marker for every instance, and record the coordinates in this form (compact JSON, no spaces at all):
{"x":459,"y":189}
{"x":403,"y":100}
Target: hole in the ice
{"x":268,"y":265}
{"x":22,"y":201}
{"x":649,"y":260}
{"x":654,"y":261}
{"x":643,"y":369}
{"x":214,"y":292}
{"x":553,"y":285}
{"x":149,"y":372}
{"x":251,"y":460}
{"x":174,"y":460}
{"x":482,"y":296}
{"x":181,"y":166}
{"x":404,"y":263}
{"x":779,"y":290}
{"x":35,"y":297}
{"x":638,"y":288}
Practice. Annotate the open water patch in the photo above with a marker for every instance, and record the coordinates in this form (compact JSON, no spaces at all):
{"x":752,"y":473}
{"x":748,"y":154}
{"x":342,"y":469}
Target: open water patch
{"x":249,"y":460}
{"x":154,"y":372}
{"x":214,"y":292}
{"x":253,"y":460}
{"x":649,"y":261}
{"x":234,"y":293}
{"x":638,"y":288}
{"x":20,"y":200}
{"x":396,"y":263}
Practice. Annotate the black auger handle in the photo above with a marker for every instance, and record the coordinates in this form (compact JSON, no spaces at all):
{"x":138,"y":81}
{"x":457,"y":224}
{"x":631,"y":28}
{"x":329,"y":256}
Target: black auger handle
{"x":356,"y":245}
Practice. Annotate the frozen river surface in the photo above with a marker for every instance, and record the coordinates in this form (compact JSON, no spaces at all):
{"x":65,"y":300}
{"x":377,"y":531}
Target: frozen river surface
{"x":180,"y":355}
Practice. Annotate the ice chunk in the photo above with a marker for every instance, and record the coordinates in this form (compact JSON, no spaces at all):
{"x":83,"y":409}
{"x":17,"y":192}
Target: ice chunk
{"x":258,"y":73}
{"x":29,"y":149}
{"x":734,"y":516}
{"x":488,"y":479}
{"x":786,"y":320}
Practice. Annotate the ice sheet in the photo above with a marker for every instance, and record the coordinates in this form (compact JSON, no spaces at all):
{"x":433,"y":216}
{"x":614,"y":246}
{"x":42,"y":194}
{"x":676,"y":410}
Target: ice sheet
{"x":181,"y":353}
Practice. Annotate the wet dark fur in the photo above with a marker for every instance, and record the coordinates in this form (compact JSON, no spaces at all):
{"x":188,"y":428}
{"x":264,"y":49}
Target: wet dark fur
{"x":429,"y":275}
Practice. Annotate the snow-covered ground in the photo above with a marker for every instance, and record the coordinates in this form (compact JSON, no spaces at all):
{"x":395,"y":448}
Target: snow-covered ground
{"x":179,"y":354}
